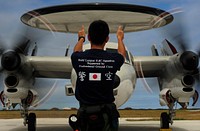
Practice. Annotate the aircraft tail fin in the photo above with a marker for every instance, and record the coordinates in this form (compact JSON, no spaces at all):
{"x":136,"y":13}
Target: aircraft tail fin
{"x":168,"y":48}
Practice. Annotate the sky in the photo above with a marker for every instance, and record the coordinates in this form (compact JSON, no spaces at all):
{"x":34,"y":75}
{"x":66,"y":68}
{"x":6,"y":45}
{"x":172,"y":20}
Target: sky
{"x":138,"y":43}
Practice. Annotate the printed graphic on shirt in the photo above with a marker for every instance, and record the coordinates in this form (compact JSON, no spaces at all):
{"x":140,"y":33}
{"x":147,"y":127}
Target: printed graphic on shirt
{"x":82,"y":75}
{"x":108,"y":75}
{"x":96,"y":63}
{"x":95,"y":76}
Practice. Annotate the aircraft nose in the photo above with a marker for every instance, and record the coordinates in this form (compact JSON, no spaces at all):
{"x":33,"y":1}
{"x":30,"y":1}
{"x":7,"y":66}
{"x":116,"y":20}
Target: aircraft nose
{"x":116,"y":81}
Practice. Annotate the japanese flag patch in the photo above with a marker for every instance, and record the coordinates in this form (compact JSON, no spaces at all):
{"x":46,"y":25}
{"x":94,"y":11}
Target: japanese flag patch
{"x":95,"y":76}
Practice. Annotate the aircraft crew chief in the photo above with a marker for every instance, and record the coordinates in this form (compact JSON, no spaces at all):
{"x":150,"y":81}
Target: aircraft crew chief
{"x":96,"y":69}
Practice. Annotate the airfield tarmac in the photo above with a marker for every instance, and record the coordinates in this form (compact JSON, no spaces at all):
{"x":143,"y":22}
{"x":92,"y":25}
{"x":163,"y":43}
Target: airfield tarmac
{"x":60,"y":124}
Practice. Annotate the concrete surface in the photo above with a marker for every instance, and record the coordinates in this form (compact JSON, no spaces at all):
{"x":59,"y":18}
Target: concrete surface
{"x":61,"y":124}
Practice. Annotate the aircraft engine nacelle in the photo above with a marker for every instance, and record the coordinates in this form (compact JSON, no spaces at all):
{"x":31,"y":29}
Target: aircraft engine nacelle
{"x":179,"y":94}
{"x":182,"y":95}
{"x":176,"y":84}
{"x":188,"y":82}
{"x":181,"y":64}
{"x":16,"y":87}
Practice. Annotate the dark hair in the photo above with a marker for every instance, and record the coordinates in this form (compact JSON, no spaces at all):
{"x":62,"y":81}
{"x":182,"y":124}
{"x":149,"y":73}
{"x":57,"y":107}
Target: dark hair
{"x":98,"y":32}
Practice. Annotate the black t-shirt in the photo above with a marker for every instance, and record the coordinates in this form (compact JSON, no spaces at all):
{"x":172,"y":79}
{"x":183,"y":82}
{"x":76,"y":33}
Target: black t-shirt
{"x":95,"y":71}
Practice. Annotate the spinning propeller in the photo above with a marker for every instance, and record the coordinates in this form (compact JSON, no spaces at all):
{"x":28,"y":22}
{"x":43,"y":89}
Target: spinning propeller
{"x":12,"y":57}
{"x":178,"y":33}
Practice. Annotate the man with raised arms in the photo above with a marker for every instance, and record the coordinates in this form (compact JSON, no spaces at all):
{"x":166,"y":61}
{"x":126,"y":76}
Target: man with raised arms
{"x":94,"y":86}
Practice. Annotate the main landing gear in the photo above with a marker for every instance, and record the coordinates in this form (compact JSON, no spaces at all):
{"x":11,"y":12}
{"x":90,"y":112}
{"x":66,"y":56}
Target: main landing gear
{"x":29,"y":119}
{"x":164,"y":122}
{"x":31,"y":122}
{"x":166,"y":119}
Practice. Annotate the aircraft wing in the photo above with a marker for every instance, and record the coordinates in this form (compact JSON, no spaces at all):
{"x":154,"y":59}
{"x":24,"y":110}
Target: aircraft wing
{"x":51,"y":67}
{"x":61,"y":67}
{"x":149,"y":66}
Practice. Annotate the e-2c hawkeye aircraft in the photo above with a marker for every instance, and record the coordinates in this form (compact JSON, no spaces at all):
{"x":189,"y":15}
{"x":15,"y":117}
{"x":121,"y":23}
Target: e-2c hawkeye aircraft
{"x":174,"y":70}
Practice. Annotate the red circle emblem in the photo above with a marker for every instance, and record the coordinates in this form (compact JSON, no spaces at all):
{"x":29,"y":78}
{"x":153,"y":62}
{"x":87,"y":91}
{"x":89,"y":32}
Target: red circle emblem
{"x":94,"y":76}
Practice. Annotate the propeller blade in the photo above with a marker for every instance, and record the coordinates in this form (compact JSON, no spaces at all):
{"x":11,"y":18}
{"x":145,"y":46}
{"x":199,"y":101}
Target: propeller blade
{"x":22,"y":40}
{"x":176,"y":31}
{"x":25,"y":36}
{"x":2,"y":45}
{"x":198,"y":52}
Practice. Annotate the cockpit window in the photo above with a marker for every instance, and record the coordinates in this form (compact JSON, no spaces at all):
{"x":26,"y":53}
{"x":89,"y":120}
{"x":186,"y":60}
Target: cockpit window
{"x":127,"y":60}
